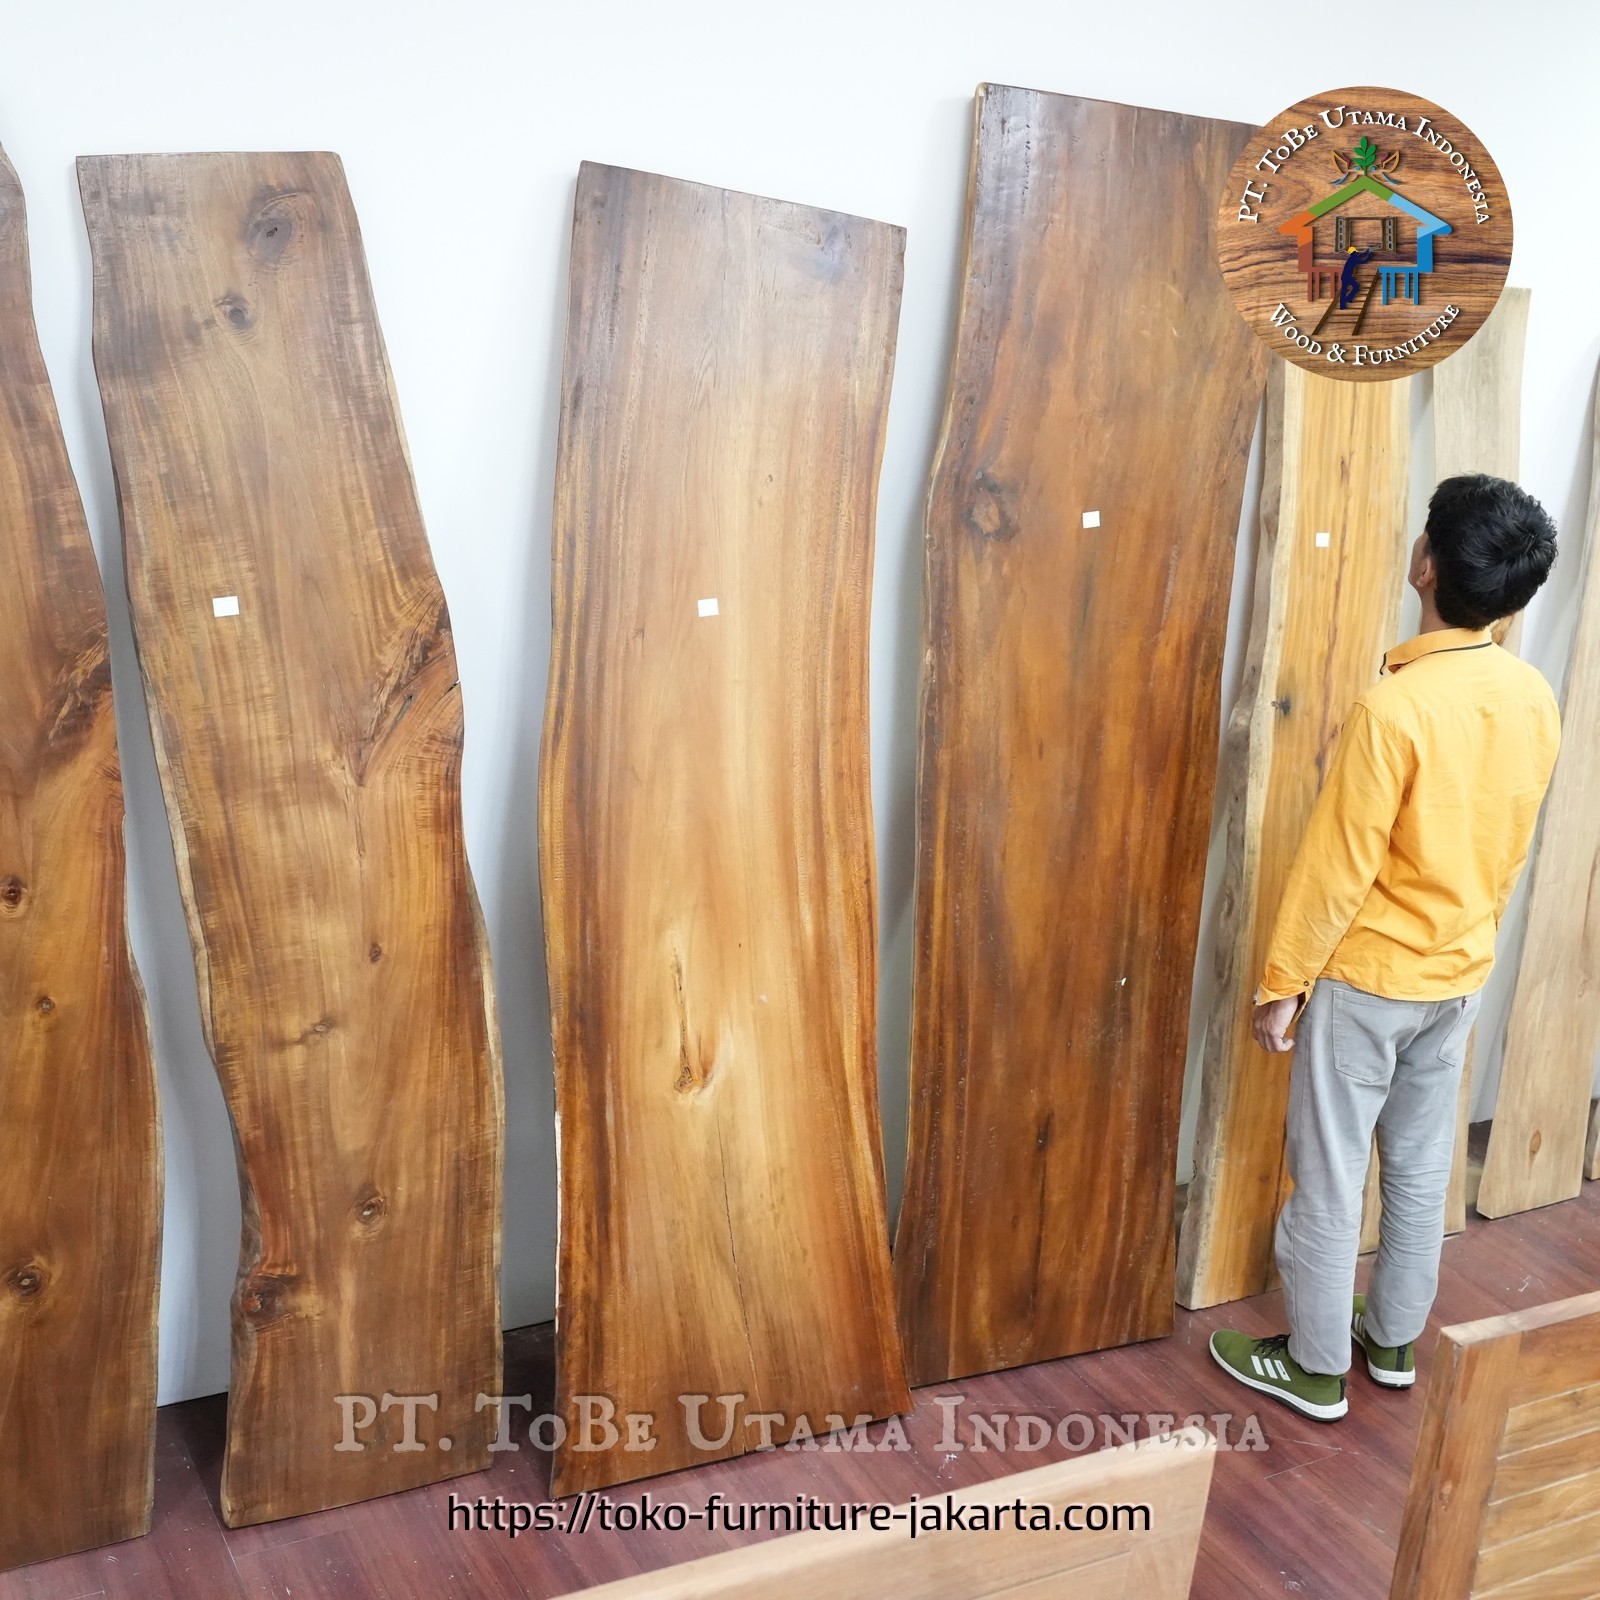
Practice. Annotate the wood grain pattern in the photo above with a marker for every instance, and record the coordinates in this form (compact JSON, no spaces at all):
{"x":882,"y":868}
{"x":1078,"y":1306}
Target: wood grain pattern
{"x":80,"y":1174}
{"x":705,"y":820}
{"x":1477,"y":396}
{"x":1591,"y":1159}
{"x":1500,"y":1503}
{"x":1069,"y":719}
{"x":1453,"y":1467}
{"x":1579,"y":1580}
{"x":1525,"y":1470}
{"x":1553,"y":1417}
{"x":310,"y":755}
{"x":1477,"y":427}
{"x":1536,"y":1152}
{"x":1330,"y":569}
{"x":1564,"y":1500}
{"x":1170,"y":1477}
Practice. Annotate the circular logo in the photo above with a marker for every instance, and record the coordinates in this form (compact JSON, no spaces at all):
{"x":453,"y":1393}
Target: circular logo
{"x":1365,"y":234}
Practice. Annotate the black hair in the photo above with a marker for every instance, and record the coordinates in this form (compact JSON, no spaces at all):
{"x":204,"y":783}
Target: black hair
{"x":1493,"y":546}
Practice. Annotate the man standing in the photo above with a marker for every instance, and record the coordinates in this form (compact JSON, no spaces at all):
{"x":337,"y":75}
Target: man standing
{"x":1384,"y":939}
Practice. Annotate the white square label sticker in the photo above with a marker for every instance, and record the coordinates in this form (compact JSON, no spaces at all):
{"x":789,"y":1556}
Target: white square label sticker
{"x":225,"y":605}
{"x":708,"y":608}
{"x":1324,"y":540}
{"x":1091,"y":519}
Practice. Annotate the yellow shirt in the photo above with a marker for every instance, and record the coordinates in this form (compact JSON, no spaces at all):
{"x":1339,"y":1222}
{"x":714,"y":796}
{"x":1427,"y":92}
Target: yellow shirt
{"x":1422,"y":827}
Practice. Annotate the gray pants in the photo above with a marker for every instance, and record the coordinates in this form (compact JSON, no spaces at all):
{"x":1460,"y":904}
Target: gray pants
{"x":1362,"y":1062}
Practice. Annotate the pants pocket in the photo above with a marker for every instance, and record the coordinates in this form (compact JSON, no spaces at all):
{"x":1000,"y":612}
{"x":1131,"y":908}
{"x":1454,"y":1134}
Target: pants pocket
{"x":1363,"y":1036}
{"x":1453,"y":1050}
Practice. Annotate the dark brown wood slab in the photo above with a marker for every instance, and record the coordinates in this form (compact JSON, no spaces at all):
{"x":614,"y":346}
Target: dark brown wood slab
{"x":706,"y":824}
{"x":80,"y":1145}
{"x":1080,"y":543}
{"x":307,"y":719}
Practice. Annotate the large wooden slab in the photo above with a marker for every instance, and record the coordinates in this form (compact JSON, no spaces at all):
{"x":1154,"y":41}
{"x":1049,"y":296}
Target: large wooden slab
{"x":80,"y":1150}
{"x":1536,"y":1143}
{"x":1080,"y":541}
{"x":1505,"y":1484}
{"x":1477,"y":427}
{"x":1477,"y":396}
{"x":1330,"y":569}
{"x":310,"y":754}
{"x":1152,"y":1496}
{"x":705,"y":822}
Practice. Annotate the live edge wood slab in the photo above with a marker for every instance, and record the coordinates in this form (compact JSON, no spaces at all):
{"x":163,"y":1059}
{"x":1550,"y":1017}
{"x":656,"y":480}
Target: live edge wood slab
{"x":80,"y":1150}
{"x":1536,"y":1152}
{"x":1330,"y":570}
{"x":307,"y":720}
{"x":1080,"y":541}
{"x":705,"y":824}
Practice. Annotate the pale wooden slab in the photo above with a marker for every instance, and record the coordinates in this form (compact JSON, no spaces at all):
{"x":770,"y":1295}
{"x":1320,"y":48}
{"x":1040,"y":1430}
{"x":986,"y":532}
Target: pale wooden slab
{"x":304,"y":703}
{"x":1169,"y":1477}
{"x":1537,"y":1143}
{"x":80,"y":1147}
{"x":1330,"y":569}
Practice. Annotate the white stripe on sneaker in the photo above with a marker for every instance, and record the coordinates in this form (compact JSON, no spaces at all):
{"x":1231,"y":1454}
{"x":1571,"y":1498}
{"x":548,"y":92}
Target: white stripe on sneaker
{"x":1255,"y":1361}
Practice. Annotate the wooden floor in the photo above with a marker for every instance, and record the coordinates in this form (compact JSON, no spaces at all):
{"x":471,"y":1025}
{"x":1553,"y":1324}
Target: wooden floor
{"x":1316,"y":1514}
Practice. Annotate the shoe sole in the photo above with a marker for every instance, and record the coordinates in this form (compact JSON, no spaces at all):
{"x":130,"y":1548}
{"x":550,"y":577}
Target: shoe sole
{"x":1305,"y":1408}
{"x":1380,"y":1376}
{"x":1390,"y":1380}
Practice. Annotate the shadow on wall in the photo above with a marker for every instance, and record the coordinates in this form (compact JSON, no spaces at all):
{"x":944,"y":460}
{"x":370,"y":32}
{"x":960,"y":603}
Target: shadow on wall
{"x":516,"y":929}
{"x":897,"y":617}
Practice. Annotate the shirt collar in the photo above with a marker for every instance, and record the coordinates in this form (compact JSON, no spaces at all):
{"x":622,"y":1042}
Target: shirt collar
{"x":1441,"y":639}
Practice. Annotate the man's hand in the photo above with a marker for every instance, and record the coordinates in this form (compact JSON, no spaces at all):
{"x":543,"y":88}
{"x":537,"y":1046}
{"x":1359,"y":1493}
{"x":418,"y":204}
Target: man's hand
{"x":1270,"y":1024}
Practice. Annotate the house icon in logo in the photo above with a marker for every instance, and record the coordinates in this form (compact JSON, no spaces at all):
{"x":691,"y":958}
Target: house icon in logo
{"x":1332,"y":261}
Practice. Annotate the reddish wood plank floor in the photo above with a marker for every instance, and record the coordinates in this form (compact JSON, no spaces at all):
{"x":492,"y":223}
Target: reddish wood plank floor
{"x":1315,"y":1514}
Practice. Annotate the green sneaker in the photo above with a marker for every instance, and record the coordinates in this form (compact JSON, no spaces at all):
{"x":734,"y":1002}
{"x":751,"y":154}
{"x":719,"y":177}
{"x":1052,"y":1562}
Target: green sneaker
{"x":1266,"y":1365}
{"x":1394,"y":1366}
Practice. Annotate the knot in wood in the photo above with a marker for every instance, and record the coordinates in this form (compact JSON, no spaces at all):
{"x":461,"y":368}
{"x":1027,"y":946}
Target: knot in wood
{"x":236,"y":309}
{"x":26,"y":1281}
{"x":264,"y":1299}
{"x":12,"y":891}
{"x":275,"y":226}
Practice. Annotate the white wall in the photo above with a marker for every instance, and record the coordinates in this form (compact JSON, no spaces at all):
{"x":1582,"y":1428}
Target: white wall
{"x":461,"y":127}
